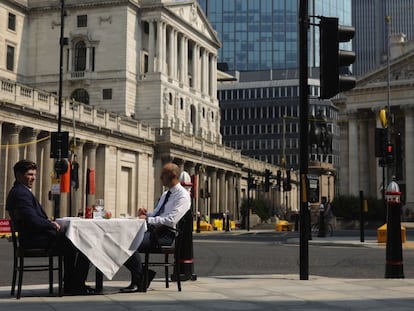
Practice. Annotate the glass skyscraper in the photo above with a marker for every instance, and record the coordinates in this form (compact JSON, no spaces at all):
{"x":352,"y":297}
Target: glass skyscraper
{"x":371,"y":37}
{"x":263,"y":35}
{"x":259,"y":113}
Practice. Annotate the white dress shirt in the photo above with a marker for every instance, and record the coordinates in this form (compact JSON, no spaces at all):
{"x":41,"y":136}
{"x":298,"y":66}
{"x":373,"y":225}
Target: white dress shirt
{"x":177,"y":205}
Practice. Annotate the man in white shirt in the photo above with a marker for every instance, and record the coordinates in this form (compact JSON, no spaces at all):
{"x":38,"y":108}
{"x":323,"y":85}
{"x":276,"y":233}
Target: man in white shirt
{"x":171,"y":207}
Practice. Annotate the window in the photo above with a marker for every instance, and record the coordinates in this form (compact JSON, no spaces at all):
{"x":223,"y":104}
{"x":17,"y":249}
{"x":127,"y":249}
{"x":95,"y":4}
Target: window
{"x":107,"y":94}
{"x":81,"y":95}
{"x":80,"y":56}
{"x":12,"y":22}
{"x":82,"y":21}
{"x":10,"y":58}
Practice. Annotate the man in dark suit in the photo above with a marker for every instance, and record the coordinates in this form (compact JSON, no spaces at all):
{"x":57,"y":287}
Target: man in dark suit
{"x":36,"y":230}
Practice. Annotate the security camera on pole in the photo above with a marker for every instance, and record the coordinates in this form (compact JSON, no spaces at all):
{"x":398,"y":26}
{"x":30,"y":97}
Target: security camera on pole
{"x":394,"y":259}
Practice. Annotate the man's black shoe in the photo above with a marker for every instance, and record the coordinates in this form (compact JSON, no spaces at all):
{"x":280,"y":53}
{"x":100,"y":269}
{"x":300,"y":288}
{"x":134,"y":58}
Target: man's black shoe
{"x":151,"y":276}
{"x":81,"y":291}
{"x":131,"y":288}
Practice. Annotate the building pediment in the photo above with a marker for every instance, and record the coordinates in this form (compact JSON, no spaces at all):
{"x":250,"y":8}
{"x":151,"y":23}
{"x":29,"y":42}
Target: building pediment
{"x":191,"y":13}
{"x":400,"y":69}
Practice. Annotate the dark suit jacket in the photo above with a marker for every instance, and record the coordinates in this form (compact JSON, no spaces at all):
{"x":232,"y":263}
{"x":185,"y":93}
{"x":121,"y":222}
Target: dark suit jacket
{"x":35,"y":229}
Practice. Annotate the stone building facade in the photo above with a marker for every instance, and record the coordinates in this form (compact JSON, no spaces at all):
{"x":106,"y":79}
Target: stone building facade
{"x":389,"y":86}
{"x":139,"y":90}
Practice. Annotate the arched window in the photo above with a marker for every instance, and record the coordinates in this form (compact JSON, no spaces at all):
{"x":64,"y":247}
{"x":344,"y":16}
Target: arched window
{"x":80,"y":95}
{"x":80,"y":56}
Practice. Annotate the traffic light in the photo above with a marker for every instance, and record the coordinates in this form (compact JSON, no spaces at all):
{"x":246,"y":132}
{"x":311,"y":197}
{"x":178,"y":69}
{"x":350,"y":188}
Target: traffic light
{"x":381,"y":142}
{"x":333,"y":60}
{"x":389,"y":156}
{"x":287,"y":186}
{"x":267,"y":180}
{"x":278,"y":178}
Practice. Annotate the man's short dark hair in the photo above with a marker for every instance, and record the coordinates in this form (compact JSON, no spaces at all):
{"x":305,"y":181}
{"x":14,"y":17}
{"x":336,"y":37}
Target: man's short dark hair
{"x":23,"y":166}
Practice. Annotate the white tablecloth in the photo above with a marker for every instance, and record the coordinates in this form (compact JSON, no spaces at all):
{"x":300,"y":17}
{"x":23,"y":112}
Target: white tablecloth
{"x":108,"y":243}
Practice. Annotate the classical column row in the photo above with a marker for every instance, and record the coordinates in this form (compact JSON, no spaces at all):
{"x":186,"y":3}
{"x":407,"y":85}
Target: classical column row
{"x":216,"y":189}
{"x":19,"y":142}
{"x":172,"y":52}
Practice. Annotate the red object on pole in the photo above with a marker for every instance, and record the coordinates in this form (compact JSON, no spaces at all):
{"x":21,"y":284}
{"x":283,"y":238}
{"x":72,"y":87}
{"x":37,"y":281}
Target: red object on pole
{"x":90,"y":181}
{"x":65,"y":180}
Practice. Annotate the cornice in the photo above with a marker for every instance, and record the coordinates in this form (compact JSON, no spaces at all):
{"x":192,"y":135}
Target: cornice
{"x":81,"y":4}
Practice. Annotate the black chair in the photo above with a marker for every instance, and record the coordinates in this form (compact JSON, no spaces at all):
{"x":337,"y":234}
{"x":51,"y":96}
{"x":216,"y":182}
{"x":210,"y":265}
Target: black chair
{"x":19,"y":266}
{"x":173,"y":250}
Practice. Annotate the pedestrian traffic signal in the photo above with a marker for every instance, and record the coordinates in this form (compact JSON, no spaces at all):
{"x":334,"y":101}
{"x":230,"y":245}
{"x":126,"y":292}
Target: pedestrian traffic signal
{"x":267,"y":180}
{"x":334,"y":76}
{"x":381,"y":142}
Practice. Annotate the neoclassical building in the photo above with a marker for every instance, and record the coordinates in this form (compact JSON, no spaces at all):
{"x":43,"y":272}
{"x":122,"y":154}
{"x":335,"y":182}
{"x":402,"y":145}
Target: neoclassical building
{"x":139,"y":85}
{"x":388,"y":86}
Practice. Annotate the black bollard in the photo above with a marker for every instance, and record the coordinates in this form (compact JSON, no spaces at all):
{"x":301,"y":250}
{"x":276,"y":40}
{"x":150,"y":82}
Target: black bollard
{"x":186,"y":250}
{"x":227,"y":222}
{"x":198,"y":222}
{"x":394,"y":258}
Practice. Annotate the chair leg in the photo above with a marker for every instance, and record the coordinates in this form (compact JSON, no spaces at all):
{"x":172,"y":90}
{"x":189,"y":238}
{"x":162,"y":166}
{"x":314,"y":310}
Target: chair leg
{"x":13,"y":286}
{"x":51,"y":275}
{"x":20,"y":281}
{"x":177,"y":271}
{"x":60,"y":275}
{"x":145,"y":272}
{"x":166,"y":263}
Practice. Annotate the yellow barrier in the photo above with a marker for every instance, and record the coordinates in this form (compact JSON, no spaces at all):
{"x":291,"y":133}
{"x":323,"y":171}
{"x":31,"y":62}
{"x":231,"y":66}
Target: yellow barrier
{"x":284,"y":225}
{"x":218,"y":224}
{"x":382,"y":234}
{"x":204,"y":226}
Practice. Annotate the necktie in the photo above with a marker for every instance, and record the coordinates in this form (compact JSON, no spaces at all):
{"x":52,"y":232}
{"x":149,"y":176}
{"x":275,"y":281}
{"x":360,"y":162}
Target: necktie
{"x":161,"y":210}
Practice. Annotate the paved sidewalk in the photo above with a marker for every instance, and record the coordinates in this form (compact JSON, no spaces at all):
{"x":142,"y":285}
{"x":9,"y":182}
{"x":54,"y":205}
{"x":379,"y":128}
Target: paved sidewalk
{"x":254,"y":292}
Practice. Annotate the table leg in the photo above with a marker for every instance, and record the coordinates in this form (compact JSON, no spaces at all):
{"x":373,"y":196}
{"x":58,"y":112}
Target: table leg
{"x":98,"y":281}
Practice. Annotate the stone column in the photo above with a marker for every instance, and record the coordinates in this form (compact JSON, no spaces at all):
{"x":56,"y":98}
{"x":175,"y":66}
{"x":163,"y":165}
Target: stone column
{"x":353,"y":156}
{"x":211,"y":75}
{"x":151,"y":46}
{"x":214,"y":78}
{"x":181,"y":55}
{"x":364,"y":156}
{"x":171,"y":54}
{"x":159,"y":47}
{"x":88,"y":56}
{"x":176,"y":55}
{"x":230,"y":192}
{"x":13,"y":152}
{"x":32,"y":145}
{"x":204,"y":72}
{"x":194,"y":73}
{"x":185,"y":61}
{"x":213,"y":190}
{"x":236,"y":209}
{"x":408,"y":152}
{"x":222,"y":191}
{"x":45,"y":174}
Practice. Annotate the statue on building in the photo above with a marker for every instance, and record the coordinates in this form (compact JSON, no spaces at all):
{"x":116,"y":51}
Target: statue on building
{"x":319,"y":134}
